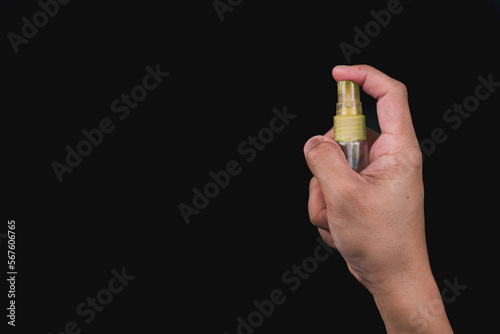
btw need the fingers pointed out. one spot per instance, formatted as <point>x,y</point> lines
<point>392,107</point>
<point>327,163</point>
<point>318,213</point>
<point>327,238</point>
<point>317,205</point>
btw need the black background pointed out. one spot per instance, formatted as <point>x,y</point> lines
<point>119,208</point>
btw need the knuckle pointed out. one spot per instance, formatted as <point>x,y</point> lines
<point>365,67</point>
<point>400,88</point>
<point>314,220</point>
<point>313,182</point>
<point>319,219</point>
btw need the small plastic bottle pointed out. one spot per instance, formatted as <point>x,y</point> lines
<point>350,126</point>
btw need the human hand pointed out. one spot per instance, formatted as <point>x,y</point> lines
<point>375,219</point>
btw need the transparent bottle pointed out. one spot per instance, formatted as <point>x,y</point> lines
<point>349,125</point>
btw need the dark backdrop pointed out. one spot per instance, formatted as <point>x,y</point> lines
<point>117,212</point>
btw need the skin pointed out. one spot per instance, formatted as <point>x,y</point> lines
<point>375,219</point>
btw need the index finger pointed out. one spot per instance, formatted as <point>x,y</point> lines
<point>392,99</point>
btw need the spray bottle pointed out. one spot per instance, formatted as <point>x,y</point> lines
<point>350,126</point>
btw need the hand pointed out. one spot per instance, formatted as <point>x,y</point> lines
<point>375,219</point>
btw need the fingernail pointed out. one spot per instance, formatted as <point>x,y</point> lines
<point>313,142</point>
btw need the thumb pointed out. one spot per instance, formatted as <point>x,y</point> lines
<point>327,162</point>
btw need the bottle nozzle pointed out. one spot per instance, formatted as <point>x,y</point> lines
<point>348,98</point>
<point>349,123</point>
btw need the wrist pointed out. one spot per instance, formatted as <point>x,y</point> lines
<point>413,304</point>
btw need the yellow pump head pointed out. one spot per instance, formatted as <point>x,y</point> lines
<point>349,123</point>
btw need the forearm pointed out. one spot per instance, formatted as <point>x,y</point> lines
<point>413,306</point>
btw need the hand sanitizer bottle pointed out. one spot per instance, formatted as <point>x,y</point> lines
<point>349,125</point>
